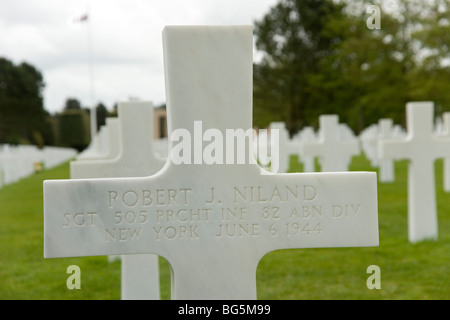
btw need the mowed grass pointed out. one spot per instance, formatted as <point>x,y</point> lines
<point>408,271</point>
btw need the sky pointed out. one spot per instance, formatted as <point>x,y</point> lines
<point>116,55</point>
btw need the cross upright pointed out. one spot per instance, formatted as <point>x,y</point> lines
<point>421,147</point>
<point>307,135</point>
<point>330,148</point>
<point>134,158</point>
<point>111,134</point>
<point>286,147</point>
<point>212,222</point>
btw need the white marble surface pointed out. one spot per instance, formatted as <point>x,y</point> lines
<point>334,150</point>
<point>421,147</point>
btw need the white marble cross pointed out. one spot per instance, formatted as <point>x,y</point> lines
<point>212,216</point>
<point>131,156</point>
<point>334,153</point>
<point>421,147</point>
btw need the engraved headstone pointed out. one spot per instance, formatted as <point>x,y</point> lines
<point>131,157</point>
<point>421,147</point>
<point>334,151</point>
<point>212,216</point>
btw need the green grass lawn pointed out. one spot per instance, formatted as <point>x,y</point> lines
<point>408,271</point>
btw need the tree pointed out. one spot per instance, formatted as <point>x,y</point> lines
<point>365,77</point>
<point>431,79</point>
<point>72,104</point>
<point>22,115</point>
<point>291,39</point>
<point>74,128</point>
<point>321,57</point>
<point>102,113</point>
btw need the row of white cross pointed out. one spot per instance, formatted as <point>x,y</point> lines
<point>17,162</point>
<point>211,222</point>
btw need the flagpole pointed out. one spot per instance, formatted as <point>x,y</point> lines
<point>91,77</point>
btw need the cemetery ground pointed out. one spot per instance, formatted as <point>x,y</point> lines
<point>408,271</point>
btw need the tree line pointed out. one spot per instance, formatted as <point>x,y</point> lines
<point>23,119</point>
<point>21,103</point>
<point>320,56</point>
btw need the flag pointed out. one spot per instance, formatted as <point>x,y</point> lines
<point>81,18</point>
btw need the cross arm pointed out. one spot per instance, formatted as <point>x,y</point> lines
<point>321,210</point>
<point>314,149</point>
<point>395,148</point>
<point>149,215</point>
